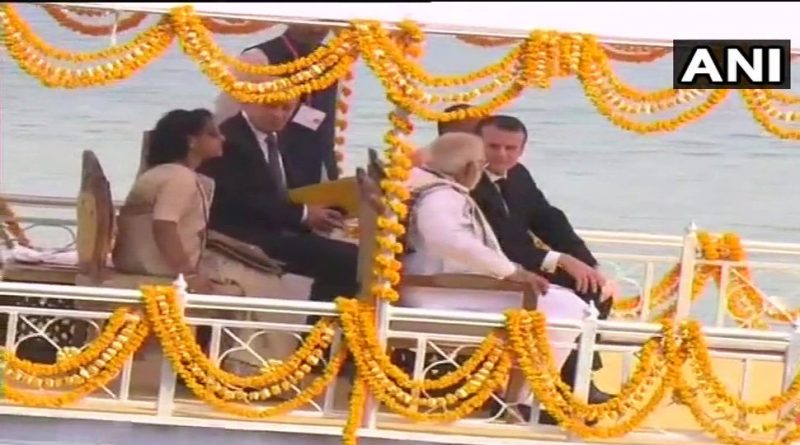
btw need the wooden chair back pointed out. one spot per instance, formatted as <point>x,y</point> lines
<point>369,209</point>
<point>95,215</point>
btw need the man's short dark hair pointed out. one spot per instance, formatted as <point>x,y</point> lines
<point>503,122</point>
<point>441,126</point>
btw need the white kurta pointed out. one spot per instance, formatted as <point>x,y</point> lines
<point>448,234</point>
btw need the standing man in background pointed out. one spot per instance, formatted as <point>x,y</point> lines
<point>307,141</point>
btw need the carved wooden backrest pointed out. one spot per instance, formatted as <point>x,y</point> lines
<point>369,195</point>
<point>95,214</point>
<point>370,207</point>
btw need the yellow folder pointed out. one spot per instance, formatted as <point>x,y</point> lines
<point>341,193</point>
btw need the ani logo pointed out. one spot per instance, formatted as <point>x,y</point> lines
<point>731,64</point>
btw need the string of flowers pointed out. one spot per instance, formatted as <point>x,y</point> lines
<point>385,267</point>
<point>528,333</point>
<point>343,98</point>
<point>128,62</point>
<point>295,367</point>
<point>62,17</point>
<point>221,393</point>
<point>196,43</point>
<point>660,373</point>
<point>744,303</point>
<point>634,53</point>
<point>459,403</point>
<point>534,62</point>
<point>621,53</point>
<point>234,27</point>
<point>759,103</point>
<point>61,14</point>
<point>13,22</point>
<point>84,379</point>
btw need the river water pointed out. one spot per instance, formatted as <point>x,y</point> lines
<point>722,172</point>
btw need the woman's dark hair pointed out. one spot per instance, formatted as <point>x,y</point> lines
<point>169,140</point>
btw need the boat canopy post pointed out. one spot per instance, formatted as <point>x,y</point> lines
<point>688,259</point>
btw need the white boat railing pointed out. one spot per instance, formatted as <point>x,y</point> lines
<point>637,262</point>
<point>437,337</point>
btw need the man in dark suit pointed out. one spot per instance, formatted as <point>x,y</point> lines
<point>251,203</point>
<point>308,147</point>
<point>516,207</point>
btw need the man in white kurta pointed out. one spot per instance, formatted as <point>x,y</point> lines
<point>449,234</point>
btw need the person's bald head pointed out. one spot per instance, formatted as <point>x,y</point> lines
<point>265,117</point>
<point>460,156</point>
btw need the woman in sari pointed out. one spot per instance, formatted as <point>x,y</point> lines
<point>163,224</point>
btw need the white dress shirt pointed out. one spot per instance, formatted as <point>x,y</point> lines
<point>550,261</point>
<point>261,137</point>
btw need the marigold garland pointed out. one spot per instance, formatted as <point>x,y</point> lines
<point>758,102</point>
<point>96,354</point>
<point>622,53</point>
<point>13,22</point>
<point>29,58</point>
<point>196,44</point>
<point>745,304</point>
<point>294,368</point>
<point>529,341</point>
<point>233,27</point>
<point>533,62</point>
<point>343,98</point>
<point>61,15</point>
<point>84,379</point>
<point>459,403</point>
<point>660,373</point>
<point>217,388</point>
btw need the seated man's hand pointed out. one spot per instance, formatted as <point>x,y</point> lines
<point>610,291</point>
<point>324,219</point>
<point>587,279</point>
<point>538,283</point>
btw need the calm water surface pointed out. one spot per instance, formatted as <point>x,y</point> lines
<point>722,172</point>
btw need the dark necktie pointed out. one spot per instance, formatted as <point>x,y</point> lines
<point>502,185</point>
<point>275,160</point>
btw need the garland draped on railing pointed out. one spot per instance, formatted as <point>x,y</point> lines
<point>534,62</point>
<point>744,302</point>
<point>674,364</point>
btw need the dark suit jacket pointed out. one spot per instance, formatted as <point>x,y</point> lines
<point>248,203</point>
<point>307,150</point>
<point>529,210</point>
